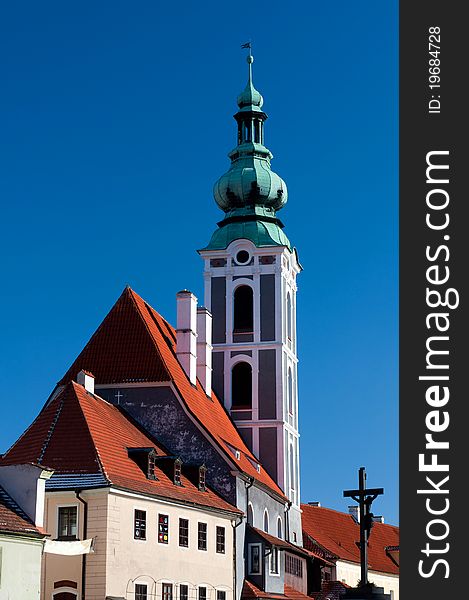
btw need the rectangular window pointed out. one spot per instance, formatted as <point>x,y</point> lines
<point>167,591</point>
<point>163,529</point>
<point>184,533</point>
<point>293,565</point>
<point>202,593</point>
<point>221,595</point>
<point>221,540</point>
<point>141,591</point>
<point>67,525</point>
<point>202,536</point>
<point>274,561</point>
<point>183,592</point>
<point>254,559</point>
<point>140,525</point>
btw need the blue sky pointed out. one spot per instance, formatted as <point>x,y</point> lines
<point>116,122</point>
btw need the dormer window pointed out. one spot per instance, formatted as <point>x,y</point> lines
<point>145,458</point>
<point>202,473</point>
<point>177,471</point>
<point>151,466</point>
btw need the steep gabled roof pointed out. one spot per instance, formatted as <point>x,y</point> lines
<point>79,434</point>
<point>13,519</point>
<point>134,343</point>
<point>338,532</point>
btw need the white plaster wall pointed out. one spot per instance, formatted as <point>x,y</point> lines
<point>350,574</point>
<point>20,568</point>
<point>58,568</point>
<point>131,561</point>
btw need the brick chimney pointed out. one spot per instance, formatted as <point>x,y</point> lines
<point>204,348</point>
<point>186,332</point>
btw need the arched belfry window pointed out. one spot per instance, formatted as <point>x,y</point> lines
<point>289,317</point>
<point>243,318</point>
<point>290,391</point>
<point>241,385</point>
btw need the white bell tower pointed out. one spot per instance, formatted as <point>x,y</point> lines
<point>251,293</point>
<point>250,270</point>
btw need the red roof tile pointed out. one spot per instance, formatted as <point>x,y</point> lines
<point>13,519</point>
<point>293,594</point>
<point>338,532</point>
<point>252,592</point>
<point>135,343</point>
<point>275,541</point>
<point>79,432</point>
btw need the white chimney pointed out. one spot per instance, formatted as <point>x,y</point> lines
<point>204,348</point>
<point>186,331</point>
<point>86,379</point>
<point>355,512</point>
<point>26,484</point>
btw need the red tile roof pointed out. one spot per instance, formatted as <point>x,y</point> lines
<point>79,432</point>
<point>331,590</point>
<point>13,519</point>
<point>293,594</point>
<point>135,343</point>
<point>252,592</point>
<point>338,532</point>
<point>275,541</point>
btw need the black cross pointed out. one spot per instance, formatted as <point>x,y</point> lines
<point>364,498</point>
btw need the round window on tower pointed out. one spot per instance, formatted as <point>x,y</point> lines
<point>242,257</point>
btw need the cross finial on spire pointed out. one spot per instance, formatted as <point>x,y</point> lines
<point>249,58</point>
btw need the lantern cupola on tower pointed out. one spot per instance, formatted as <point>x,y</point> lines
<point>250,193</point>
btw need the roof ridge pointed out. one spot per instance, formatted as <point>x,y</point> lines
<point>52,427</point>
<point>96,449</point>
<point>16,442</point>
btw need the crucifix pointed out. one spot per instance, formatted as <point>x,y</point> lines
<point>118,396</point>
<point>364,498</point>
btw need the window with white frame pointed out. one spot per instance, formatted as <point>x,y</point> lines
<point>254,559</point>
<point>141,591</point>
<point>184,533</point>
<point>183,592</point>
<point>202,593</point>
<point>221,595</point>
<point>202,536</point>
<point>163,529</point>
<point>67,523</point>
<point>140,524</point>
<point>220,546</point>
<point>167,591</point>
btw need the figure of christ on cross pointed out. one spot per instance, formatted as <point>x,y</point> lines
<point>365,499</point>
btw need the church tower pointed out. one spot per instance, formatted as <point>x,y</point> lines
<point>250,288</point>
